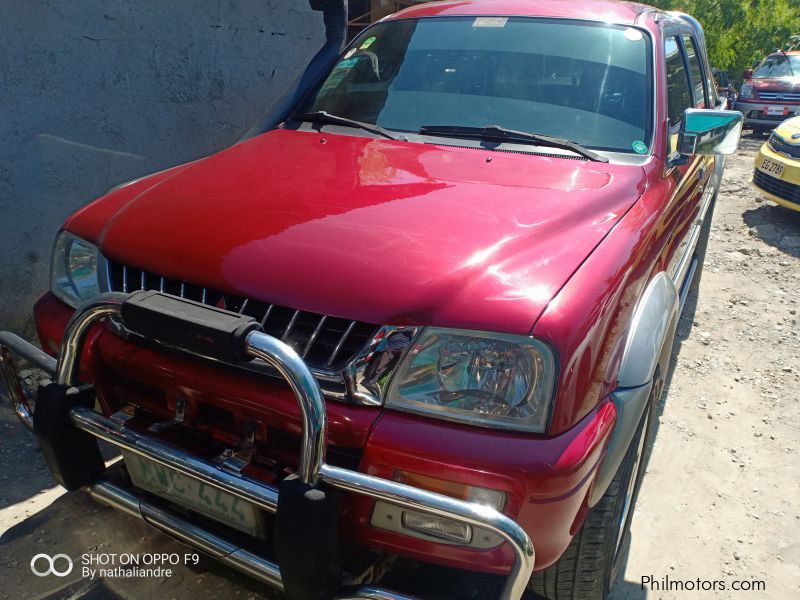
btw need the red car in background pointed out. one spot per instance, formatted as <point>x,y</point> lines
<point>425,310</point>
<point>770,93</point>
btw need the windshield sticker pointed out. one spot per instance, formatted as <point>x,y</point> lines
<point>338,73</point>
<point>632,34</point>
<point>350,52</point>
<point>367,43</point>
<point>490,22</point>
<point>639,147</point>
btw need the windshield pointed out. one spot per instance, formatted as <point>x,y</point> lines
<point>779,65</point>
<point>586,82</point>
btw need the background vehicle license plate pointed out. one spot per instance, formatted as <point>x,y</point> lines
<point>775,110</point>
<point>772,167</point>
<point>195,495</point>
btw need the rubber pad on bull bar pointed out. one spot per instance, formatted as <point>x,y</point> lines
<point>306,540</point>
<point>72,455</point>
<point>189,325</point>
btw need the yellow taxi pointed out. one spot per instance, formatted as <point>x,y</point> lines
<point>777,172</point>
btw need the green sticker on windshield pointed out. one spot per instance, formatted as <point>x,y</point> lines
<point>367,43</point>
<point>639,147</point>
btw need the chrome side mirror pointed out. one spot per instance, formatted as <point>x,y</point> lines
<point>710,132</point>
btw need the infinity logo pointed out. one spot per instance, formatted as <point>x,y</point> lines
<point>51,562</point>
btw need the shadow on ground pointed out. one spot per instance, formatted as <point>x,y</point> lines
<point>76,526</point>
<point>776,226</point>
<point>23,473</point>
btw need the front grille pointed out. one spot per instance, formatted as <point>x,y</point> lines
<point>778,144</point>
<point>326,343</point>
<point>788,96</point>
<point>781,189</point>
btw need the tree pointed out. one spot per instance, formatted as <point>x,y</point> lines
<point>739,32</point>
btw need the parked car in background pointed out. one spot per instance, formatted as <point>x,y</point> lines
<point>427,311</point>
<point>777,165</point>
<point>726,87</point>
<point>770,93</point>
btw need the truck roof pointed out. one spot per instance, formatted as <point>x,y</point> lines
<point>595,10</point>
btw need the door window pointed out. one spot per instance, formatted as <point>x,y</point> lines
<point>679,94</point>
<point>696,72</point>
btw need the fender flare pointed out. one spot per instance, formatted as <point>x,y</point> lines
<point>647,346</point>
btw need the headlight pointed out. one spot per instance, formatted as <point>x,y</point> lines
<point>746,91</point>
<point>74,268</point>
<point>491,379</point>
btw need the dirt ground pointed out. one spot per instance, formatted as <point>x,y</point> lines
<point>720,503</point>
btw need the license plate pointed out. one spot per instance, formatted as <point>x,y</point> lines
<point>773,168</point>
<point>195,495</point>
<point>775,110</point>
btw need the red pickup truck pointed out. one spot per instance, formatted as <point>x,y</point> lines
<point>425,309</point>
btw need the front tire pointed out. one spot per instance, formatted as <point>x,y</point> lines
<point>592,562</point>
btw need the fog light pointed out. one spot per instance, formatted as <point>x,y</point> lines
<point>445,529</point>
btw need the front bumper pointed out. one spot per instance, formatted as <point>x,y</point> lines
<point>313,471</point>
<point>547,480</point>
<point>783,189</point>
<point>754,115</point>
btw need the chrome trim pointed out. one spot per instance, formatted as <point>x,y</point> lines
<point>341,342</point>
<point>124,279</point>
<point>267,314</point>
<point>687,284</point>
<point>142,280</point>
<point>365,375</point>
<point>309,398</point>
<point>9,343</point>
<point>117,434</point>
<point>16,395</point>
<point>289,326</point>
<point>370,593</point>
<point>161,284</point>
<point>39,358</point>
<point>83,318</point>
<point>314,335</point>
<point>779,96</point>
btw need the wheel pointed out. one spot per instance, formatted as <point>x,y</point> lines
<point>592,562</point>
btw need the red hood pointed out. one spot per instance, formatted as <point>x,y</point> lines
<point>376,230</point>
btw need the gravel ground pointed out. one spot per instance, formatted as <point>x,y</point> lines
<point>719,505</point>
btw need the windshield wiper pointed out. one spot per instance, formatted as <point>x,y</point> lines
<point>495,133</point>
<point>322,116</point>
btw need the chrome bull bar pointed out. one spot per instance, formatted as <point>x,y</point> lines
<point>312,466</point>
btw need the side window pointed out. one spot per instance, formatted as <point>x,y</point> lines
<point>679,95</point>
<point>697,73</point>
